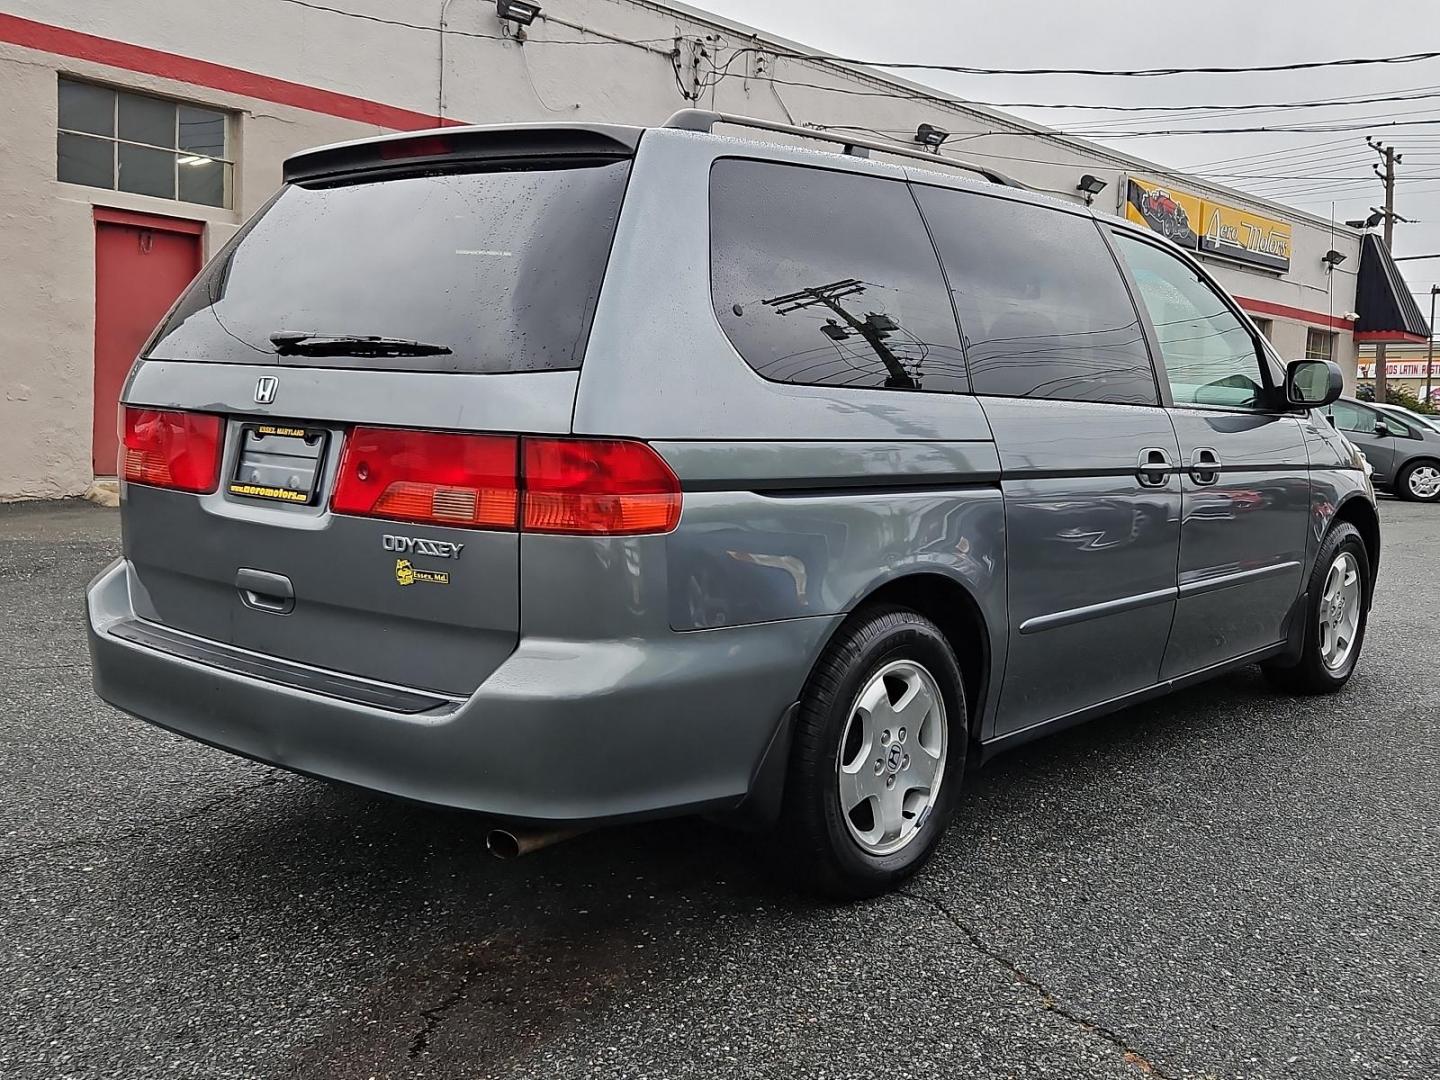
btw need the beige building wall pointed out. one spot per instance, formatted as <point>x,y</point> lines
<point>571,68</point>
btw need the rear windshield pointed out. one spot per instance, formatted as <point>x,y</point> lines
<point>502,269</point>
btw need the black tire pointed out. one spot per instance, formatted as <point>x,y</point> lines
<point>814,842</point>
<point>1402,482</point>
<point>1310,675</point>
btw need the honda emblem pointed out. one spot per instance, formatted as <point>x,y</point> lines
<point>265,389</point>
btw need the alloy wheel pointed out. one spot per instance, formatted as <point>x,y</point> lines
<point>892,757</point>
<point>1340,611</point>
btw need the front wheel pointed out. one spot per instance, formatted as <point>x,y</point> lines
<point>1335,617</point>
<point>877,756</point>
<point>1420,482</point>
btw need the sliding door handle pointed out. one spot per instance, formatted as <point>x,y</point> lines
<point>1154,467</point>
<point>1204,466</point>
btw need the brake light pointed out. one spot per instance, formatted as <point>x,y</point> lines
<point>169,449</point>
<point>428,476</point>
<point>423,146</point>
<point>598,487</point>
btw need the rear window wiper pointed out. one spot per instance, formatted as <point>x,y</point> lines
<point>297,343</point>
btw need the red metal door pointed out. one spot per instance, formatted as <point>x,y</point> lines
<point>142,262</point>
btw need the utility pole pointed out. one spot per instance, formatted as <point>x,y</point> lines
<point>1430,352</point>
<point>1387,174</point>
<point>874,328</point>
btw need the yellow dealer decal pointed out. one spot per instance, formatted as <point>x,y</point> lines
<point>261,491</point>
<point>408,574</point>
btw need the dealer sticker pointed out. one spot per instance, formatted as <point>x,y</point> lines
<point>408,574</point>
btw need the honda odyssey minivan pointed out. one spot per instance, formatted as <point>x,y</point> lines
<point>579,474</point>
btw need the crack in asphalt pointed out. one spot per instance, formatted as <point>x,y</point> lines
<point>1129,1054</point>
<point>99,839</point>
<point>436,1013</point>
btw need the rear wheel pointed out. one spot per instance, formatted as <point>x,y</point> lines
<point>1339,603</point>
<point>1419,481</point>
<point>877,757</point>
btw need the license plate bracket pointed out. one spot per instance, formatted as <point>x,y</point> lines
<point>279,463</point>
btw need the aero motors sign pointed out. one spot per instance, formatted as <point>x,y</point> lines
<point>1206,225</point>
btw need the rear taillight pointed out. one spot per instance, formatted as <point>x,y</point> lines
<point>428,476</point>
<point>598,486</point>
<point>179,450</point>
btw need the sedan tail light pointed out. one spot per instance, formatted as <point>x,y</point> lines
<point>170,449</point>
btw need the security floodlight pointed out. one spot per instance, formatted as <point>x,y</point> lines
<point>1333,258</point>
<point>1370,222</point>
<point>929,135</point>
<point>1091,185</point>
<point>522,12</point>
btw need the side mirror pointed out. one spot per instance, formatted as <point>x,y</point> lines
<point>1381,428</point>
<point>1313,384</point>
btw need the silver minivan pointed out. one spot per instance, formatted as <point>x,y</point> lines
<point>579,474</point>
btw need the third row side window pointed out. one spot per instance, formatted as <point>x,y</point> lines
<point>827,277</point>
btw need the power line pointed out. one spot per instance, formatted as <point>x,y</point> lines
<point>1223,109</point>
<point>1313,149</point>
<point>1278,106</point>
<point>1307,65</point>
<point>1267,129</point>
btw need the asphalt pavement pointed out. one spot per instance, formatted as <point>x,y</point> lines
<point>1224,884</point>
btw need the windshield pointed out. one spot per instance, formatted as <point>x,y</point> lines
<point>488,271</point>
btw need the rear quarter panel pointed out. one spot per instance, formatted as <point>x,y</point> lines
<point>800,501</point>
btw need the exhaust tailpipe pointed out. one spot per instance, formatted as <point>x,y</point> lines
<point>513,842</point>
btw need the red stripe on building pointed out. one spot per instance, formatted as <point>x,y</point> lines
<point>29,34</point>
<point>1285,311</point>
<point>1390,335</point>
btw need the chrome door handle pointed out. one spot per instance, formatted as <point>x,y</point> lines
<point>1154,467</point>
<point>1204,466</point>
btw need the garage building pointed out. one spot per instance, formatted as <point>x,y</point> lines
<point>140,134</point>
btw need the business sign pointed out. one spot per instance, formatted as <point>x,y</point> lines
<point>1396,369</point>
<point>1206,225</point>
<point>1173,214</point>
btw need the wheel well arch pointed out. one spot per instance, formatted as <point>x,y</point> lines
<point>1360,513</point>
<point>949,605</point>
<point>1418,459</point>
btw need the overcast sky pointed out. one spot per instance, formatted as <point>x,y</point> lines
<point>1109,34</point>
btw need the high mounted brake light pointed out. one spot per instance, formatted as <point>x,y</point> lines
<point>170,449</point>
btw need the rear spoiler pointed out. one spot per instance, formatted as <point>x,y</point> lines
<point>445,147</point>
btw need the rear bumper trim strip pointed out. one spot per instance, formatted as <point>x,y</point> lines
<point>273,669</point>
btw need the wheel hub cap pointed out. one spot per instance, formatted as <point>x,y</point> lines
<point>1340,601</point>
<point>892,757</point>
<point>1425,481</point>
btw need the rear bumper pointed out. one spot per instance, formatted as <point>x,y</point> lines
<point>562,731</point>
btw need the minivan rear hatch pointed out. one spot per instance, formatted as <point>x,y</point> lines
<point>396,289</point>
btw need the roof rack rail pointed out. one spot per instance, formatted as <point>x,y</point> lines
<point>705,120</point>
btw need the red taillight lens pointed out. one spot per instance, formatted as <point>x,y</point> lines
<point>598,486</point>
<point>179,450</point>
<point>427,476</point>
